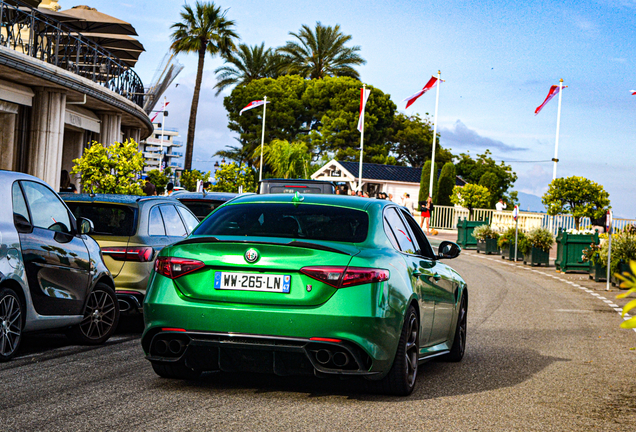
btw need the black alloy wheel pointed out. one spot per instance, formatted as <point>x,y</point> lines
<point>10,323</point>
<point>101,316</point>
<point>459,344</point>
<point>401,378</point>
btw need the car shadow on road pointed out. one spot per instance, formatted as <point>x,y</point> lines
<point>493,368</point>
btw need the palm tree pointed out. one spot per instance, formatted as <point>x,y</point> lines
<point>202,29</point>
<point>285,159</point>
<point>246,65</point>
<point>321,53</point>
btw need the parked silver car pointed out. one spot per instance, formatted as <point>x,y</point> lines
<point>51,272</point>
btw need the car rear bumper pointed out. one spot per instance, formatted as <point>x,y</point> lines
<point>359,317</point>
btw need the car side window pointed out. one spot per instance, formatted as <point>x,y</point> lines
<point>19,204</point>
<point>174,224</point>
<point>190,221</point>
<point>425,248</point>
<point>47,210</point>
<point>155,223</point>
<point>390,235</point>
<point>400,231</point>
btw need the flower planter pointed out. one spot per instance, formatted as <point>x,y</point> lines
<point>509,252</point>
<point>488,246</point>
<point>598,272</point>
<point>536,256</point>
<point>569,250</point>
<point>623,267</point>
<point>465,237</point>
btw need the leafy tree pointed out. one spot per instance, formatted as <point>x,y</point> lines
<point>445,185</point>
<point>470,196</point>
<point>202,29</point>
<point>334,106</point>
<point>286,115</point>
<point>230,177</point>
<point>285,159</point>
<point>490,181</point>
<point>425,183</point>
<point>247,65</point>
<point>160,179</point>
<point>320,53</point>
<point>115,169</point>
<point>190,178</point>
<point>412,140</point>
<point>576,196</point>
<point>473,169</point>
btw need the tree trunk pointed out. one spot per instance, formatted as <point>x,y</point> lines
<point>193,111</point>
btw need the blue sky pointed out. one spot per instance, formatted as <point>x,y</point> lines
<point>499,59</point>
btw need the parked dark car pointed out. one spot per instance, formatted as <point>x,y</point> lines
<point>52,275</point>
<point>306,186</point>
<point>131,230</point>
<point>202,203</point>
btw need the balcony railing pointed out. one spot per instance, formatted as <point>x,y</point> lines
<point>37,35</point>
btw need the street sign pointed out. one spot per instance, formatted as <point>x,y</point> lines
<point>515,212</point>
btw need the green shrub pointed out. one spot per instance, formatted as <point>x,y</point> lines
<point>539,238</point>
<point>623,249</point>
<point>507,239</point>
<point>483,232</point>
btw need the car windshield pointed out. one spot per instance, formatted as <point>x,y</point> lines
<point>201,208</point>
<point>306,221</point>
<point>108,219</point>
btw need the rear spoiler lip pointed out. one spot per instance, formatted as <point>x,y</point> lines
<point>293,243</point>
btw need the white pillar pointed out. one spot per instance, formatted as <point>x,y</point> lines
<point>47,135</point>
<point>110,128</point>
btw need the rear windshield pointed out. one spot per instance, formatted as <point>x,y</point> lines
<point>108,219</point>
<point>295,188</point>
<point>202,208</point>
<point>309,222</point>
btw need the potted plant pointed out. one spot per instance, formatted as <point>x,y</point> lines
<point>536,247</point>
<point>486,239</point>
<point>592,255</point>
<point>469,196</point>
<point>623,251</point>
<point>506,243</point>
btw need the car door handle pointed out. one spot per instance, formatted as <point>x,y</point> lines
<point>436,276</point>
<point>417,273</point>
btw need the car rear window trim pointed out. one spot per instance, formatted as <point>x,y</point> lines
<point>293,243</point>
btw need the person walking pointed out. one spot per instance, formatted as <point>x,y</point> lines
<point>427,210</point>
<point>501,205</point>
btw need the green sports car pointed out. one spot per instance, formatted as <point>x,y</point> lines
<point>305,284</point>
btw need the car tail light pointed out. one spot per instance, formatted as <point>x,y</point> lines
<point>131,253</point>
<point>173,268</point>
<point>339,277</point>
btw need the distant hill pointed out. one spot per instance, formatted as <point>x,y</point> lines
<point>529,202</point>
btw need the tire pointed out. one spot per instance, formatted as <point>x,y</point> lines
<point>11,316</point>
<point>400,380</point>
<point>101,315</point>
<point>459,343</point>
<point>175,371</point>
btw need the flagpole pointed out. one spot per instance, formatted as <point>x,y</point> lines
<point>364,86</point>
<point>260,171</point>
<point>556,145</point>
<point>163,125</point>
<point>430,188</point>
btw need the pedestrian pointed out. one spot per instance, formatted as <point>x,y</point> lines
<point>406,202</point>
<point>427,210</point>
<point>65,183</point>
<point>149,188</point>
<point>169,189</point>
<point>501,205</point>
<point>390,197</point>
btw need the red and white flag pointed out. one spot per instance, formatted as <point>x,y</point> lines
<point>429,85</point>
<point>554,90</point>
<point>253,104</point>
<point>158,112</point>
<point>633,92</point>
<point>364,96</point>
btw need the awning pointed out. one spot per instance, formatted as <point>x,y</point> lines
<point>98,22</point>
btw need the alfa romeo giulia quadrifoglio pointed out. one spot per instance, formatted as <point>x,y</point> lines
<point>305,284</point>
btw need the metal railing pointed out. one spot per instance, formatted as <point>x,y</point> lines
<point>29,31</point>
<point>446,217</point>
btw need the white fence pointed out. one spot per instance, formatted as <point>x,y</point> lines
<point>446,217</point>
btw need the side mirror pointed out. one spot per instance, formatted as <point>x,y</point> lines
<point>448,250</point>
<point>22,225</point>
<point>85,226</point>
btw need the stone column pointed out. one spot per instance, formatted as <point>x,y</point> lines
<point>132,133</point>
<point>110,128</point>
<point>47,135</point>
<point>8,114</point>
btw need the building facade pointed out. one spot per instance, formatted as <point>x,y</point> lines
<point>162,147</point>
<point>59,92</point>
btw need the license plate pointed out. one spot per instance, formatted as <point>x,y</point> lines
<point>252,282</point>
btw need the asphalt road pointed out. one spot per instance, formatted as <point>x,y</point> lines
<point>542,355</point>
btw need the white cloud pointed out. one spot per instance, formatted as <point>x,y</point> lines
<point>460,138</point>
